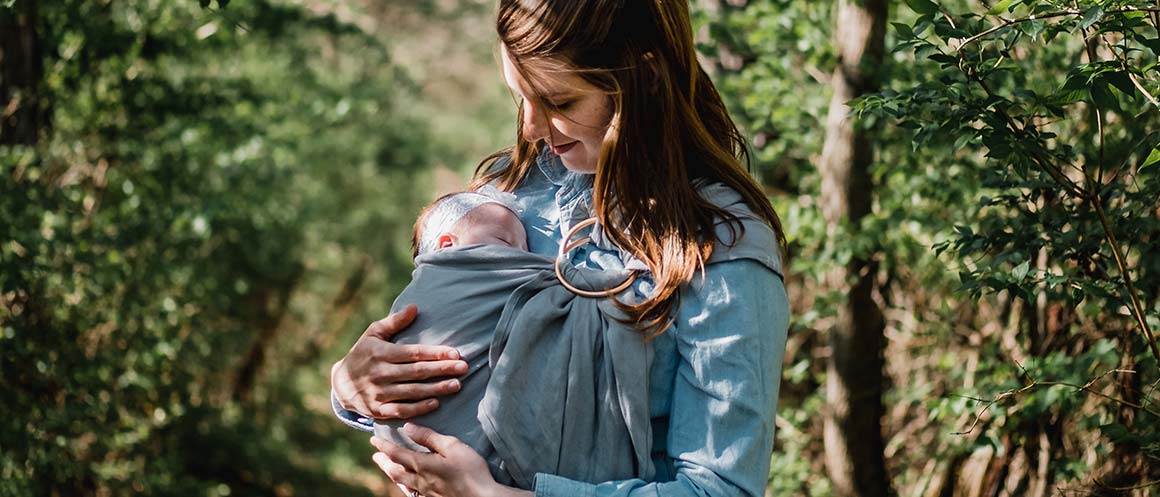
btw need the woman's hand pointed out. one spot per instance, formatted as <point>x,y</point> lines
<point>452,469</point>
<point>380,379</point>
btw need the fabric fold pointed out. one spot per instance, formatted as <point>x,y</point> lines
<point>555,384</point>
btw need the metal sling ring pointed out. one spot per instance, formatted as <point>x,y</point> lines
<point>567,246</point>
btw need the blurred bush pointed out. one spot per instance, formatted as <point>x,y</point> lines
<point>1016,193</point>
<point>212,202</point>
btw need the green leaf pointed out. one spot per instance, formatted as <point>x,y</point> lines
<point>1101,93</point>
<point>944,59</point>
<point>1121,81</point>
<point>1152,160</point>
<point>1153,44</point>
<point>923,23</point>
<point>1000,7</point>
<point>1115,431</point>
<point>922,51</point>
<point>903,29</point>
<point>1075,81</point>
<point>962,141</point>
<point>922,6</point>
<point>1034,28</point>
<point>1021,270</point>
<point>1091,16</point>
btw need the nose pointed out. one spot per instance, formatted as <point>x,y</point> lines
<point>535,124</point>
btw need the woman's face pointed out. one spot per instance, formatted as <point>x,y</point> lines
<point>577,130</point>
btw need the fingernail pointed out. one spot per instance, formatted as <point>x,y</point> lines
<point>461,367</point>
<point>453,354</point>
<point>453,384</point>
<point>432,403</point>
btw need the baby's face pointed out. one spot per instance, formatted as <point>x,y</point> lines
<point>490,223</point>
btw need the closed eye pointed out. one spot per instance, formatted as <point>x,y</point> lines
<point>562,105</point>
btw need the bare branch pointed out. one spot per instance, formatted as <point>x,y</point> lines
<point>1036,384</point>
<point>1137,307</point>
<point>1047,15</point>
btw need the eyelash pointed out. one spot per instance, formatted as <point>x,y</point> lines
<point>559,106</point>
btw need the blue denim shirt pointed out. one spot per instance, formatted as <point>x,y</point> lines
<point>716,372</point>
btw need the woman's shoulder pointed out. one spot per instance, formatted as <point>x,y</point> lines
<point>745,237</point>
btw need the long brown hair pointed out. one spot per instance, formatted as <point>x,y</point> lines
<point>669,127</point>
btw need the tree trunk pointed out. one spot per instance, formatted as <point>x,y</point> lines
<point>23,113</point>
<point>854,380</point>
<point>270,307</point>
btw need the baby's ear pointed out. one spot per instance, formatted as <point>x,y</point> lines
<point>445,240</point>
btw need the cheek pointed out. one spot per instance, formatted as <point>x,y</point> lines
<point>588,122</point>
<point>602,116</point>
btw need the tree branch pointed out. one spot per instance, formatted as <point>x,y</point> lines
<point>1048,15</point>
<point>1137,308</point>
<point>1035,384</point>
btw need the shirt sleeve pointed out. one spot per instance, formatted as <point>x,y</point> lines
<point>351,418</point>
<point>730,331</point>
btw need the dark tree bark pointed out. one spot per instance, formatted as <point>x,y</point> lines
<point>854,380</point>
<point>23,113</point>
<point>269,308</point>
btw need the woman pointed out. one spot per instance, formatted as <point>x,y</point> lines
<point>619,121</point>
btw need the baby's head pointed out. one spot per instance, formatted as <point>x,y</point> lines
<point>465,218</point>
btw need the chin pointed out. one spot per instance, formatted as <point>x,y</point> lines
<point>578,168</point>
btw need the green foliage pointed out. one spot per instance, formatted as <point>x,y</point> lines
<point>215,194</point>
<point>1049,128</point>
<point>1019,153</point>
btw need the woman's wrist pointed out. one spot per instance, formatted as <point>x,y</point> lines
<point>506,491</point>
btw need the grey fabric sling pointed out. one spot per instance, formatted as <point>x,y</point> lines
<point>555,383</point>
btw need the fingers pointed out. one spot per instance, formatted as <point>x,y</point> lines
<point>394,471</point>
<point>418,391</point>
<point>405,410</point>
<point>431,439</point>
<point>417,371</point>
<point>387,327</point>
<point>403,353</point>
<point>407,459</point>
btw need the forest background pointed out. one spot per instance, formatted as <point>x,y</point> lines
<point>203,203</point>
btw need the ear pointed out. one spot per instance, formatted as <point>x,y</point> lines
<point>445,240</point>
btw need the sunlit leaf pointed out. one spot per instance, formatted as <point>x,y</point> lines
<point>1001,6</point>
<point>922,6</point>
<point>1091,16</point>
<point>1151,161</point>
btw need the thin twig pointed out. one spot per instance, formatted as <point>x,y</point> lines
<point>1124,64</point>
<point>1133,487</point>
<point>1087,489</point>
<point>1148,398</point>
<point>1137,308</point>
<point>1099,165</point>
<point>1035,384</point>
<point>1049,15</point>
<point>1140,87</point>
<point>222,13</point>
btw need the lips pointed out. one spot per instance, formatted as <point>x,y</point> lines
<point>563,149</point>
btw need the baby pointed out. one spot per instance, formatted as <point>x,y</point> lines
<point>501,307</point>
<point>468,218</point>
